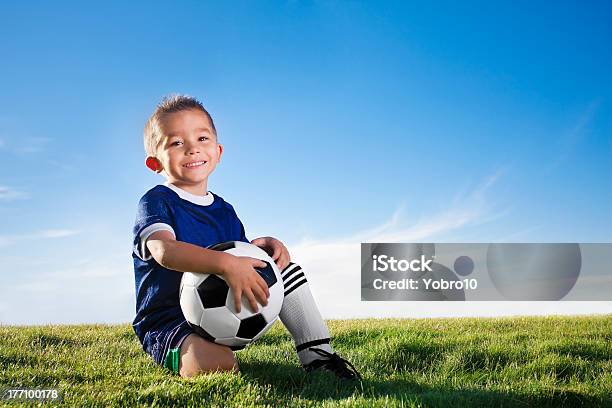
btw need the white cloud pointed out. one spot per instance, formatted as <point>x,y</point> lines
<point>10,194</point>
<point>55,233</point>
<point>32,145</point>
<point>6,240</point>
<point>466,209</point>
<point>62,166</point>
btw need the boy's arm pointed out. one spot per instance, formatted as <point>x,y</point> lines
<point>239,272</point>
<point>184,257</point>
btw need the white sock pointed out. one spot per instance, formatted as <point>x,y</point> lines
<point>301,316</point>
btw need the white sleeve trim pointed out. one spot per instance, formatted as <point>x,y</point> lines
<point>146,233</point>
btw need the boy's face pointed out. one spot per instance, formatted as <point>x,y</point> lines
<point>188,153</point>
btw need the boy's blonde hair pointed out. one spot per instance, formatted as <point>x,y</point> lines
<point>170,104</point>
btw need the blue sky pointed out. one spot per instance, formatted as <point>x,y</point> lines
<point>341,122</point>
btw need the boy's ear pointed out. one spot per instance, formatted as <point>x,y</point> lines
<point>153,164</point>
<point>220,151</point>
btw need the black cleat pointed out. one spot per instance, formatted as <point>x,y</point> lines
<point>334,363</point>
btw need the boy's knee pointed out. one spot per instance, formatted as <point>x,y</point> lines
<point>292,269</point>
<point>224,360</point>
<point>229,366</point>
<point>199,356</point>
<point>293,277</point>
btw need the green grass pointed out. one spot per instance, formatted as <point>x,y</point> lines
<point>551,361</point>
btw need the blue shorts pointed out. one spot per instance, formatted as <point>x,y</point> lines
<point>164,343</point>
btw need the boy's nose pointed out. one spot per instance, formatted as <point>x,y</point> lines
<point>193,150</point>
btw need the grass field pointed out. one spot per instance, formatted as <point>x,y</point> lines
<point>552,361</point>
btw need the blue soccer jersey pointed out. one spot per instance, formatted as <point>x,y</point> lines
<point>199,220</point>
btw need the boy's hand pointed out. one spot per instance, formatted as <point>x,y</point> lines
<point>243,279</point>
<point>275,249</point>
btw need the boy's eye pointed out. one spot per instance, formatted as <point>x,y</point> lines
<point>203,138</point>
<point>176,143</point>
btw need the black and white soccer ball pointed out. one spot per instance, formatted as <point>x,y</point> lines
<point>208,304</point>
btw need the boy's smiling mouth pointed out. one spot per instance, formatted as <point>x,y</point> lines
<point>194,164</point>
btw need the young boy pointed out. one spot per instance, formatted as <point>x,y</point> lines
<point>175,223</point>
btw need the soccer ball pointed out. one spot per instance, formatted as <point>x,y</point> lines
<point>208,303</point>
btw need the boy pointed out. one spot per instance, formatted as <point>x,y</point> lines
<point>174,225</point>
